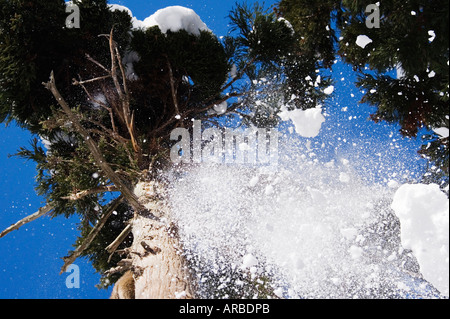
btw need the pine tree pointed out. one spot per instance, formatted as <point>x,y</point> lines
<point>114,96</point>
<point>412,37</point>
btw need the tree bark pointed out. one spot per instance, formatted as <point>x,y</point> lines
<point>159,267</point>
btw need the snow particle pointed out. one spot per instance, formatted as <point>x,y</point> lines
<point>278,292</point>
<point>423,211</point>
<point>254,181</point>
<point>307,122</point>
<point>249,261</point>
<point>363,40</point>
<point>329,90</point>
<point>355,252</point>
<point>344,178</point>
<point>432,36</point>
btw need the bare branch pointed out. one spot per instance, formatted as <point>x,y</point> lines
<point>42,211</point>
<point>116,243</point>
<point>93,147</point>
<point>173,89</point>
<point>112,45</point>
<point>190,112</point>
<point>100,78</point>
<point>123,96</point>
<point>97,63</point>
<point>226,98</point>
<point>92,191</point>
<point>122,70</point>
<point>118,138</point>
<point>118,269</point>
<point>109,75</point>
<point>94,232</point>
<point>106,107</point>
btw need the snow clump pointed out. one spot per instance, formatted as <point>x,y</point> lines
<point>173,18</point>
<point>423,211</point>
<point>363,40</point>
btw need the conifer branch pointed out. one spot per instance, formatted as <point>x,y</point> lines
<point>94,232</point>
<point>103,105</point>
<point>209,102</point>
<point>240,74</point>
<point>226,98</point>
<point>116,136</point>
<point>41,212</point>
<point>93,147</point>
<point>122,70</point>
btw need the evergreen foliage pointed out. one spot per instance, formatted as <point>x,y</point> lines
<point>412,38</point>
<point>127,118</point>
<point>195,65</point>
<point>279,72</point>
<point>34,41</point>
<point>179,77</point>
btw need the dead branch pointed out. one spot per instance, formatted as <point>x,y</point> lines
<point>94,232</point>
<point>116,136</point>
<point>97,63</point>
<point>41,212</point>
<point>190,112</point>
<point>114,67</point>
<point>122,70</point>
<point>118,269</point>
<point>100,78</point>
<point>103,105</point>
<point>116,243</point>
<point>97,190</point>
<point>123,96</point>
<point>93,147</point>
<point>172,88</point>
<point>121,252</point>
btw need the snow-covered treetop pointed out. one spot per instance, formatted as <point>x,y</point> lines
<point>173,18</point>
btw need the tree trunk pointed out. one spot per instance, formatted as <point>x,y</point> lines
<point>159,268</point>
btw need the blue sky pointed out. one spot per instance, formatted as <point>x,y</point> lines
<point>31,257</point>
